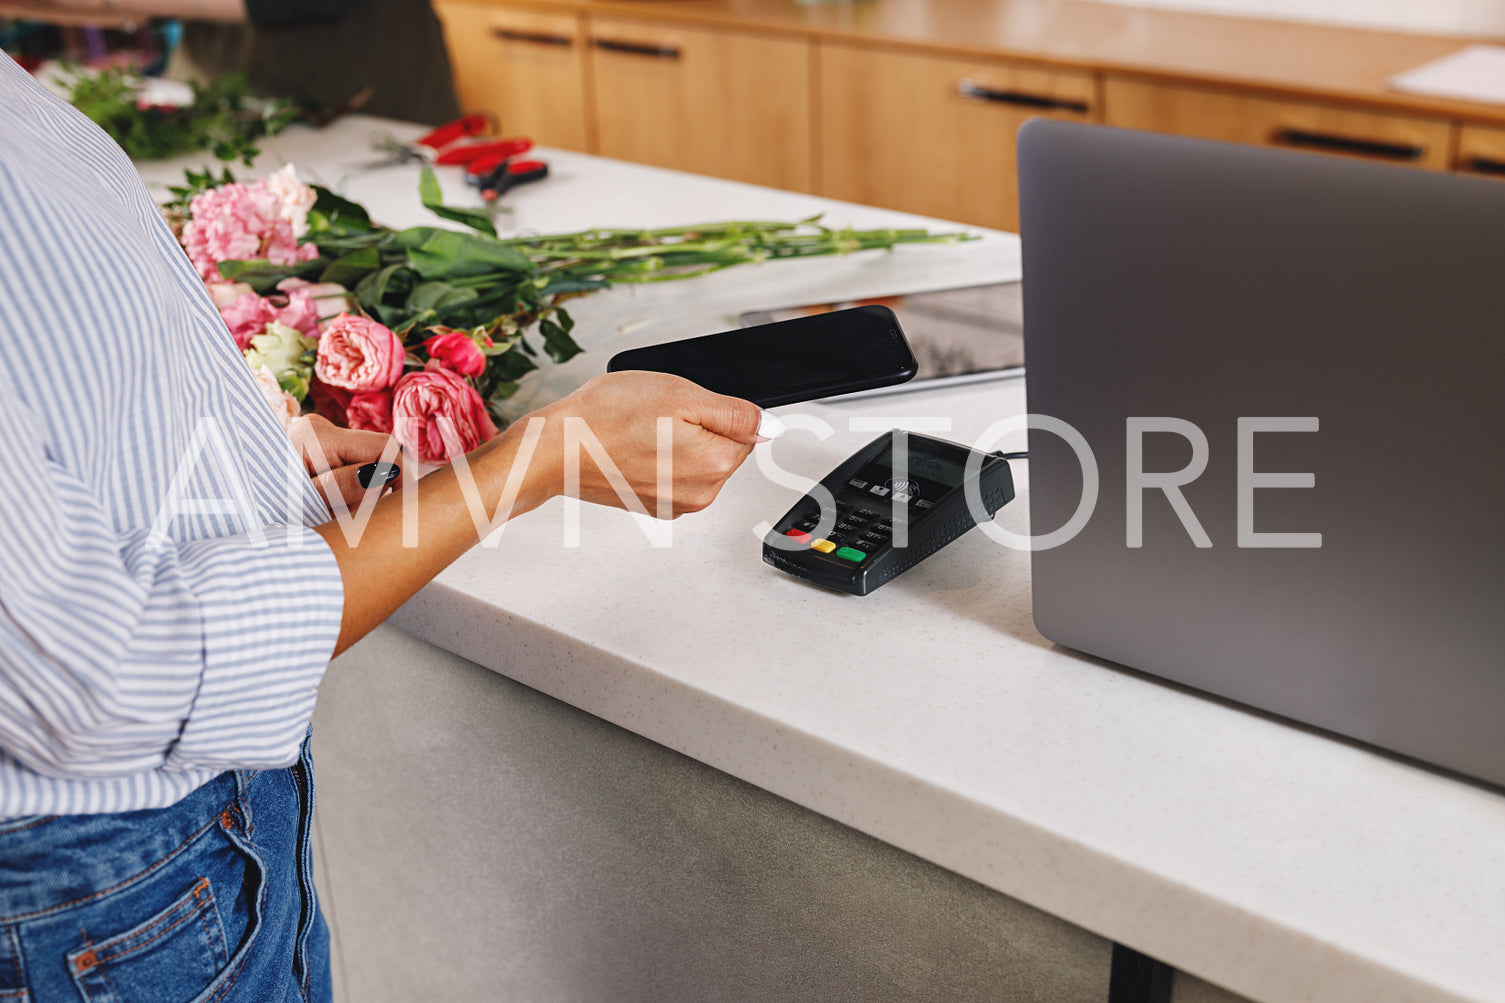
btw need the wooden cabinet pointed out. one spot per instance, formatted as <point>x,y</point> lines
<point>790,98</point>
<point>524,66</point>
<point>1415,140</point>
<point>1481,150</point>
<point>729,104</point>
<point>934,135</point>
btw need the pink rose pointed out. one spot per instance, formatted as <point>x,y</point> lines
<point>358,354</point>
<point>457,350</point>
<point>435,404</point>
<point>370,411</point>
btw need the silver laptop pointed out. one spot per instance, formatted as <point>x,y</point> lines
<point>1290,373</point>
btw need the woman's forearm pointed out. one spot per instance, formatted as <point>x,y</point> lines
<point>646,424</point>
<point>415,532</point>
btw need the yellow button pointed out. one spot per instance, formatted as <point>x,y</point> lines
<point>824,546</point>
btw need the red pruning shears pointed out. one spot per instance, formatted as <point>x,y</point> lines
<point>509,175</point>
<point>449,144</point>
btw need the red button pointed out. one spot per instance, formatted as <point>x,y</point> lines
<point>797,536</point>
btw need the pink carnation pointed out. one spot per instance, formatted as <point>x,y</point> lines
<point>225,293</point>
<point>357,353</point>
<point>301,313</point>
<point>435,404</point>
<point>457,350</point>
<point>249,315</point>
<point>239,222</point>
<point>328,299</point>
<point>370,411</point>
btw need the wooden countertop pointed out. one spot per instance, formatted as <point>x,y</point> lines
<point>1280,58</point>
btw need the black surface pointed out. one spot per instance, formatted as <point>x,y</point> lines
<point>1138,978</point>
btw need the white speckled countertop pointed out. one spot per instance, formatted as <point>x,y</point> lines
<point>1281,864</point>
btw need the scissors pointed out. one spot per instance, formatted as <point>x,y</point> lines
<point>509,175</point>
<point>448,145</point>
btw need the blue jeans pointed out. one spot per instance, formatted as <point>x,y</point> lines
<point>211,899</point>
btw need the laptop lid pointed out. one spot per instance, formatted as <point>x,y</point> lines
<point>1290,372</point>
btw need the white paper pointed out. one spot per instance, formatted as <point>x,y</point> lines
<point>1476,73</point>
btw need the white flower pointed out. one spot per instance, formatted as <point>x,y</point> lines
<point>294,198</point>
<point>282,349</point>
<point>282,403</point>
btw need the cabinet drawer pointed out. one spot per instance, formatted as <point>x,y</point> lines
<point>523,66</point>
<point>1481,150</point>
<point>1412,140</point>
<point>934,135</point>
<point>732,105</point>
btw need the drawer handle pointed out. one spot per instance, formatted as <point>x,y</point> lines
<point>637,48</point>
<point>979,92</point>
<point>1485,165</point>
<point>533,37</point>
<point>1303,140</point>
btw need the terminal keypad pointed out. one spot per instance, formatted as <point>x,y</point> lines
<point>858,530</point>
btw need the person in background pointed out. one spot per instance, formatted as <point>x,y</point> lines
<point>379,57</point>
<point>172,586</point>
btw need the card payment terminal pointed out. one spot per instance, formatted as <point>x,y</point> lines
<point>891,504</point>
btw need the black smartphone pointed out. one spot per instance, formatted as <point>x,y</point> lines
<point>788,361</point>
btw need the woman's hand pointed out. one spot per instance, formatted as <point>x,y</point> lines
<point>709,437</point>
<point>334,456</point>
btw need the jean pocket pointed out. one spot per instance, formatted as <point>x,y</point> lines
<point>195,948</point>
<point>172,955</point>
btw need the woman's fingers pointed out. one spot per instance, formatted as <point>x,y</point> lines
<point>351,483</point>
<point>325,445</point>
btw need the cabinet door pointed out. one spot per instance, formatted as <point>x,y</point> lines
<point>1414,140</point>
<point>1481,150</point>
<point>523,66</point>
<point>932,134</point>
<point>732,105</point>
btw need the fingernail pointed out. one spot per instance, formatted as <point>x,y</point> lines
<point>770,425</point>
<point>377,473</point>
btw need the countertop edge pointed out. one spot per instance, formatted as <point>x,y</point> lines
<point>1147,911</point>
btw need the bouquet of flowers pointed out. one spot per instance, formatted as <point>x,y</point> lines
<point>396,330</point>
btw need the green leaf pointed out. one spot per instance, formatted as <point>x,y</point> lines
<point>338,211</point>
<point>510,366</point>
<point>433,200</point>
<point>556,287</point>
<point>445,254</point>
<point>392,316</point>
<point>263,276</point>
<point>373,288</point>
<point>438,296</point>
<point>349,269</point>
<point>557,342</point>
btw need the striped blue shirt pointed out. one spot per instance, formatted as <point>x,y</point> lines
<point>166,613</point>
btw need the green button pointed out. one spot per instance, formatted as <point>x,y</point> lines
<point>852,554</point>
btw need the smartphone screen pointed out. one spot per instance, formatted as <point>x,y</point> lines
<point>803,359</point>
<point>963,335</point>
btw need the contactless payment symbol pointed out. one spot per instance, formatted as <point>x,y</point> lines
<point>903,490</point>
